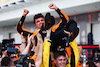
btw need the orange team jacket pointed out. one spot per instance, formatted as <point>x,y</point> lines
<point>20,25</point>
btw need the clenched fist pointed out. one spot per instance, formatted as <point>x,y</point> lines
<point>53,6</point>
<point>25,12</point>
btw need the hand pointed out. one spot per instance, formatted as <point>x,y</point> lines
<point>29,39</point>
<point>4,53</point>
<point>80,50</point>
<point>22,37</point>
<point>39,38</point>
<point>33,43</point>
<point>32,39</point>
<point>67,32</point>
<point>25,12</point>
<point>53,6</point>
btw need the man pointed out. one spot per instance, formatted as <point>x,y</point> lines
<point>60,59</point>
<point>6,61</point>
<point>39,20</point>
<point>90,64</point>
<point>97,62</point>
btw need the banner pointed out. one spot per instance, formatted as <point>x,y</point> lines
<point>5,2</point>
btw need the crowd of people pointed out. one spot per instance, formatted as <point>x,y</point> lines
<point>43,47</point>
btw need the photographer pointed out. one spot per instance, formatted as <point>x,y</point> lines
<point>8,49</point>
<point>7,61</point>
<point>4,54</point>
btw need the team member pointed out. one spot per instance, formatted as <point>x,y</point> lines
<point>39,20</point>
<point>60,59</point>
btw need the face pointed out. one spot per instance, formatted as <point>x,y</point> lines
<point>39,22</point>
<point>61,61</point>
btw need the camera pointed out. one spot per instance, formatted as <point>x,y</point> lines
<point>8,45</point>
<point>25,60</point>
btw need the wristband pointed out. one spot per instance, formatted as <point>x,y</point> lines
<point>23,42</point>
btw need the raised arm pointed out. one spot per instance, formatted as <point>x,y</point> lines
<point>20,25</point>
<point>40,50</point>
<point>62,15</point>
<point>27,49</point>
<point>23,44</point>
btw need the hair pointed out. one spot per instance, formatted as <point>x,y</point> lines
<point>59,53</point>
<point>37,16</point>
<point>91,64</point>
<point>6,61</point>
<point>97,61</point>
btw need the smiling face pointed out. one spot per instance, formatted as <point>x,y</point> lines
<point>39,22</point>
<point>60,61</point>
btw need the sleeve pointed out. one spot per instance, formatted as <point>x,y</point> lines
<point>17,56</point>
<point>20,27</point>
<point>64,19</point>
<point>62,15</point>
<point>34,57</point>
